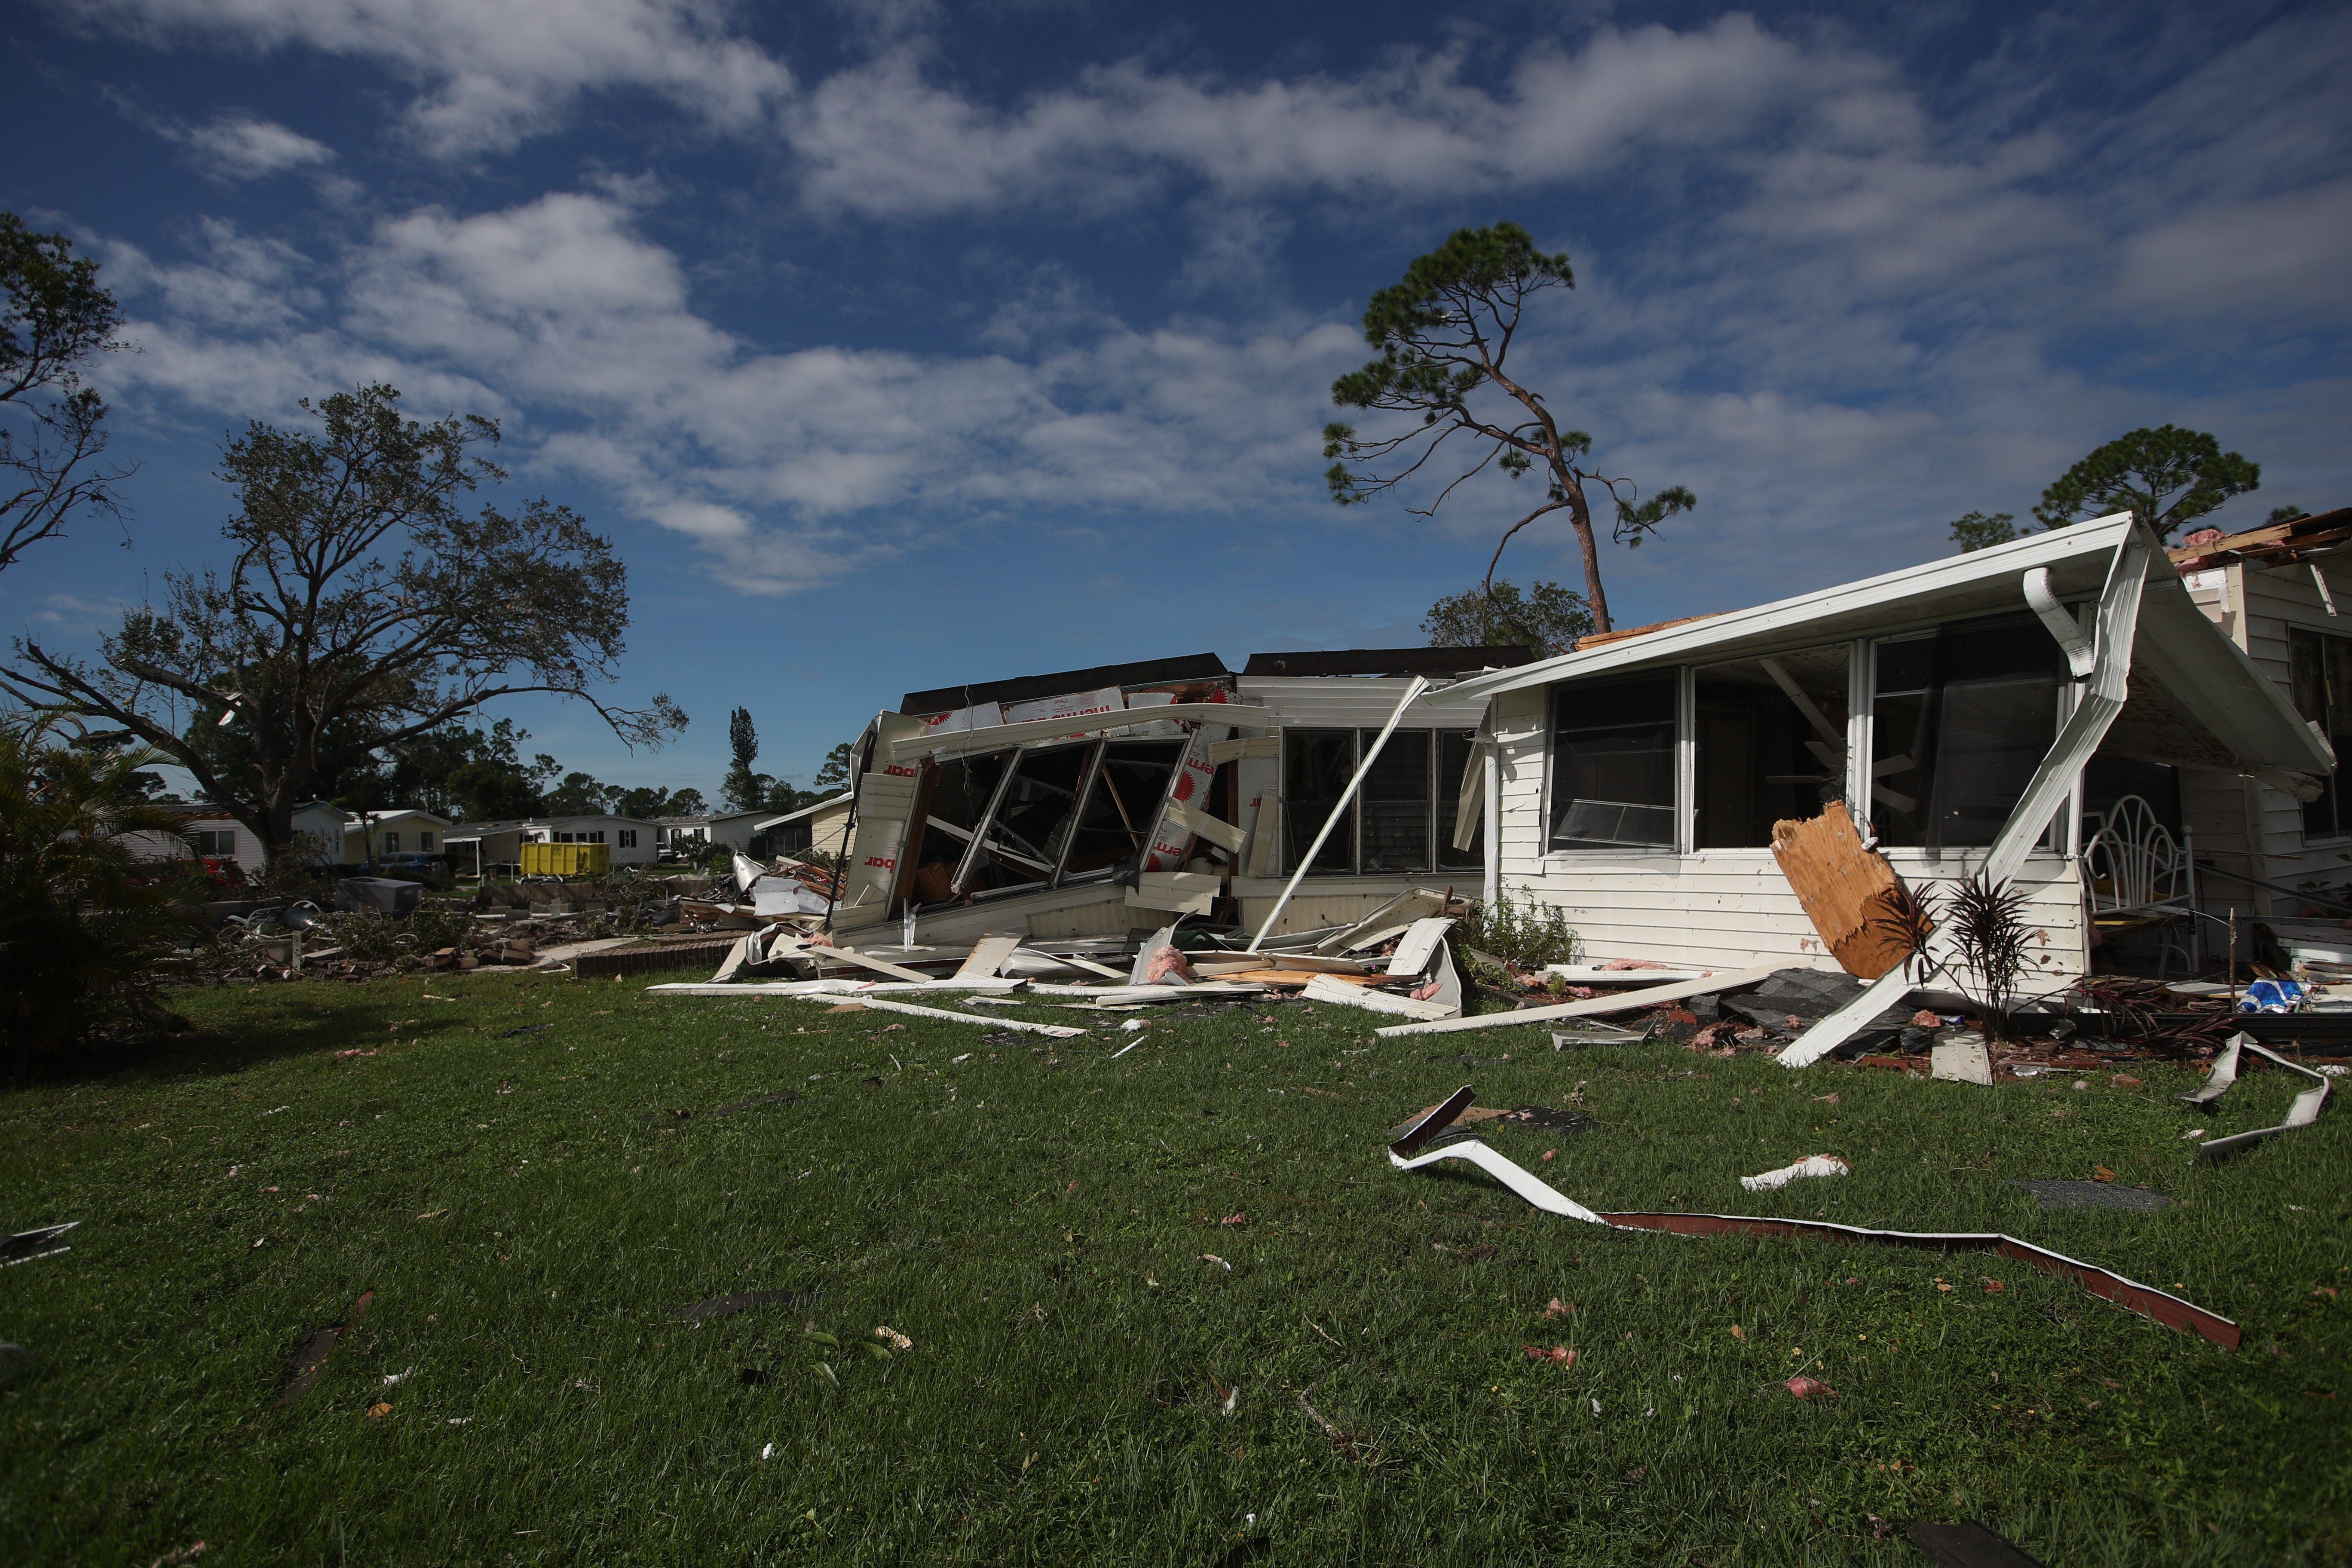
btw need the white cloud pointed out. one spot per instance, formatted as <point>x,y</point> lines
<point>494,72</point>
<point>784,468</point>
<point>2284,256</point>
<point>240,146</point>
<point>881,139</point>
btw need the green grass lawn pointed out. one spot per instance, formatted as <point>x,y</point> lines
<point>533,1218</point>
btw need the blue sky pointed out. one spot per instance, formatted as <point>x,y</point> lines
<point>897,344</point>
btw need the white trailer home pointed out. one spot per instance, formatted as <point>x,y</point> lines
<point>1956,708</point>
<point>1088,803</point>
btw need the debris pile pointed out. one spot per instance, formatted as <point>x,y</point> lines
<point>1396,960</point>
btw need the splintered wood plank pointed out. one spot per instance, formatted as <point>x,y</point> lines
<point>1847,891</point>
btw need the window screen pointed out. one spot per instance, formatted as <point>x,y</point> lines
<point>2323,694</point>
<point>1612,751</point>
<point>1964,716</point>
<point>1771,744</point>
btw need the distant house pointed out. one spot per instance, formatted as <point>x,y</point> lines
<point>208,833</point>
<point>823,827</point>
<point>404,831</point>
<point>692,834</point>
<point>477,848</point>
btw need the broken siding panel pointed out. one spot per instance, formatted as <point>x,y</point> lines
<point>1518,720</point>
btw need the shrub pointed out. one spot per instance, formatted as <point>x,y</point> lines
<point>1528,934</point>
<point>85,923</point>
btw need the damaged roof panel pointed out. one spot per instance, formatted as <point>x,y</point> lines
<point>1392,661</point>
<point>1024,688</point>
<point>2196,698</point>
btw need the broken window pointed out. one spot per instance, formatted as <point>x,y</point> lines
<point>1402,820</point>
<point>1316,767</point>
<point>1770,736</point>
<point>1016,843</point>
<point>1962,717</point>
<point>1613,749</point>
<point>1122,806</point>
<point>1038,817</point>
<point>1397,798</point>
<point>2323,694</point>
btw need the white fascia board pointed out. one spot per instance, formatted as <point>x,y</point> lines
<point>1982,582</point>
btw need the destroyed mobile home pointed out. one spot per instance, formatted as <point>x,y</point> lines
<point>1725,797</point>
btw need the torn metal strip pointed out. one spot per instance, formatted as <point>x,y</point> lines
<point>26,1244</point>
<point>2302,1113</point>
<point>1057,1031</point>
<point>1340,993</point>
<point>2146,1300</point>
<point>1005,737</point>
<point>1624,1002</point>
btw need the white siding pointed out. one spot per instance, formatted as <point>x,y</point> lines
<point>1724,908</point>
<point>2257,607</point>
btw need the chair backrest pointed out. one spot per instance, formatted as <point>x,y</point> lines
<point>2134,860</point>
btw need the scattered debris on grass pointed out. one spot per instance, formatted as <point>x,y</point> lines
<point>28,1244</point>
<point>311,1350</point>
<point>1810,1165</point>
<point>1810,1388</point>
<point>1557,1355</point>
<point>2167,1309</point>
<point>896,1341</point>
<point>2302,1113</point>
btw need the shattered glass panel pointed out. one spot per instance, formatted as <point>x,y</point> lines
<point>1612,751</point>
<point>1397,801</point>
<point>1963,716</point>
<point>1771,743</point>
<point>1115,824</point>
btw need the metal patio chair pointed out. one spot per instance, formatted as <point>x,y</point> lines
<point>2139,877</point>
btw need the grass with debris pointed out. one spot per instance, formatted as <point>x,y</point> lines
<point>1126,1281</point>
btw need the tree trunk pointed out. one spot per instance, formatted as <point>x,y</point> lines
<point>1596,599</point>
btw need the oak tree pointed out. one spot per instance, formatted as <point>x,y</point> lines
<point>363,605</point>
<point>54,319</point>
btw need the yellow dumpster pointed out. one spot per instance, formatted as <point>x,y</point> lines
<point>565,860</point>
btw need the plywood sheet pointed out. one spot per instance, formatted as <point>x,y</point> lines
<point>1846,890</point>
